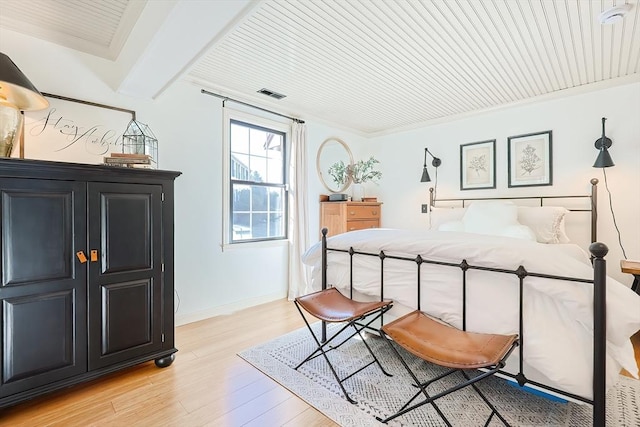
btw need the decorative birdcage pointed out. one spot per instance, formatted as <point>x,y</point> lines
<point>139,139</point>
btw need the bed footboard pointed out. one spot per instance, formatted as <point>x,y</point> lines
<point>598,252</point>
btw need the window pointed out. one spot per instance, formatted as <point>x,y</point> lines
<point>257,182</point>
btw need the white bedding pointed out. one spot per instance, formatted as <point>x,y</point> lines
<point>558,349</point>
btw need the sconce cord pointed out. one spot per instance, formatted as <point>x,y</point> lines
<point>435,186</point>
<point>615,224</point>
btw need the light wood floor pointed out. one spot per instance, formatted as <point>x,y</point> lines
<point>207,385</point>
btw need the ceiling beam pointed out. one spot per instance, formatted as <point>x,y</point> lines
<point>190,28</point>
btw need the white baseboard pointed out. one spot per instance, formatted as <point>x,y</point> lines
<point>183,319</point>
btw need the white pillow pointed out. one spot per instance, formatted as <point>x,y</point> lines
<point>439,216</point>
<point>547,222</point>
<point>494,218</point>
<point>490,217</point>
<point>518,232</point>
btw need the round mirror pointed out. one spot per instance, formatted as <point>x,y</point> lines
<point>333,162</point>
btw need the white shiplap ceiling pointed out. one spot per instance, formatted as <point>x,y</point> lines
<point>376,66</point>
<point>99,27</point>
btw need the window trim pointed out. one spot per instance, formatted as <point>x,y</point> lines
<point>261,123</point>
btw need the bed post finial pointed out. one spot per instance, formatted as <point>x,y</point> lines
<point>431,197</point>
<point>599,250</point>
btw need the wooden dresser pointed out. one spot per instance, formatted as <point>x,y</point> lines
<point>340,217</point>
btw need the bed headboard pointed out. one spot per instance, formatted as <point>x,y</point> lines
<point>592,198</point>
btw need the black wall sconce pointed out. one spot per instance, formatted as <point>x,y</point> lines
<point>604,161</point>
<point>435,162</point>
<point>603,144</point>
<point>426,178</point>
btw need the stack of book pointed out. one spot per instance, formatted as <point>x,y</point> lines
<point>129,160</point>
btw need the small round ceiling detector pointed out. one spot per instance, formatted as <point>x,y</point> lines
<point>614,14</point>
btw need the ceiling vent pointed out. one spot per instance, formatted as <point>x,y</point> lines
<point>271,93</point>
<point>614,14</point>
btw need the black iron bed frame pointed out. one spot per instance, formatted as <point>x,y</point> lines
<point>598,252</point>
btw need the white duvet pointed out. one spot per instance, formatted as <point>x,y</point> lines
<point>558,315</point>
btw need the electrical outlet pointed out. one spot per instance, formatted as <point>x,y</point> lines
<point>425,208</point>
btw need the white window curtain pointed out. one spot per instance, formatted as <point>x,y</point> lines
<point>299,274</point>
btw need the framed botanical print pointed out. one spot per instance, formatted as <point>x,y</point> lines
<point>530,159</point>
<point>478,165</point>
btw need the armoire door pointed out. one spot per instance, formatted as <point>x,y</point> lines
<point>125,272</point>
<point>42,282</point>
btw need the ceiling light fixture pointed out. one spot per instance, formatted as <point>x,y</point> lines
<point>614,14</point>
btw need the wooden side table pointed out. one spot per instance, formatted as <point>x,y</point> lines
<point>632,267</point>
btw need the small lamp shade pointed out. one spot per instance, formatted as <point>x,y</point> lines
<point>425,175</point>
<point>604,159</point>
<point>17,94</point>
<point>16,88</point>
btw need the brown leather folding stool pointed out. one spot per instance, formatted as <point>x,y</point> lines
<point>447,346</point>
<point>331,306</point>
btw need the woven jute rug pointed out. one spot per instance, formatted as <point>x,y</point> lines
<point>379,395</point>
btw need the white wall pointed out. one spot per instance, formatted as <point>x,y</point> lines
<point>188,126</point>
<point>209,280</point>
<point>576,125</point>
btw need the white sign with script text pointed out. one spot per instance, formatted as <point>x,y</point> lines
<point>69,131</point>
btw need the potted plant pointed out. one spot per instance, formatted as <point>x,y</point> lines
<point>360,172</point>
<point>363,171</point>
